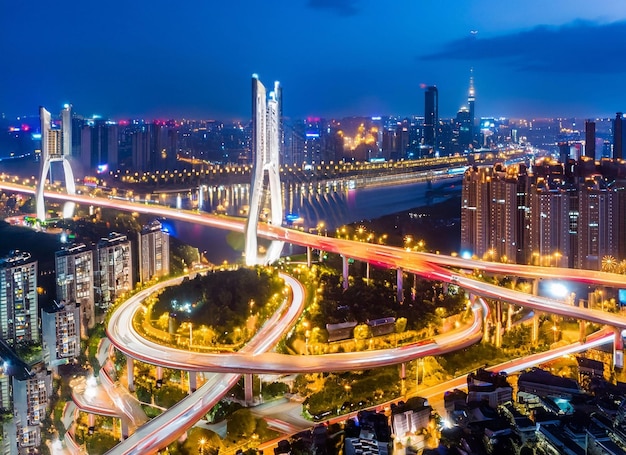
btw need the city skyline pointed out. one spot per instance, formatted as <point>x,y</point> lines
<point>338,58</point>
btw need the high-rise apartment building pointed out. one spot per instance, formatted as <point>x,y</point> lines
<point>99,145</point>
<point>60,331</point>
<point>154,252</point>
<point>549,218</point>
<point>19,309</point>
<point>30,407</point>
<point>570,215</point>
<point>600,223</point>
<point>75,281</point>
<point>492,218</point>
<point>154,146</point>
<point>113,268</point>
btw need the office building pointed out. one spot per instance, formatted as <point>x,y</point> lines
<point>75,281</point>
<point>590,139</point>
<point>431,116</point>
<point>618,137</point>
<point>19,309</point>
<point>113,268</point>
<point>154,252</point>
<point>465,129</point>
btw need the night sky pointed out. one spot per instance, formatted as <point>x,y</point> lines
<point>335,58</point>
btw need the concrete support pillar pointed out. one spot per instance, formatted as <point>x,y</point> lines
<point>124,430</point>
<point>399,283</point>
<point>193,378</point>
<point>367,272</point>
<point>536,286</point>
<point>345,271</point>
<point>130,373</point>
<point>308,256</point>
<point>618,349</point>
<point>159,373</point>
<point>498,336</point>
<point>402,378</point>
<point>582,330</point>
<point>91,420</point>
<point>247,388</point>
<point>509,316</point>
<point>414,288</point>
<point>535,330</point>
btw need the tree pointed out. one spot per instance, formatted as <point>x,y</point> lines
<point>241,424</point>
<point>400,325</point>
<point>362,332</point>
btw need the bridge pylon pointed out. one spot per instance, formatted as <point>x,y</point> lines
<point>56,146</point>
<point>266,114</point>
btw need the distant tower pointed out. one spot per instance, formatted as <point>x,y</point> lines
<point>471,98</point>
<point>431,115</point>
<point>618,137</point>
<point>56,145</point>
<point>590,139</point>
<point>266,149</point>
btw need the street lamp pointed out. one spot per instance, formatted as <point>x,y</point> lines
<point>202,442</point>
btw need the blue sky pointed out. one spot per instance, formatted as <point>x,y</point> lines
<point>194,59</point>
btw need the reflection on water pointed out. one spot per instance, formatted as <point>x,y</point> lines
<point>333,204</point>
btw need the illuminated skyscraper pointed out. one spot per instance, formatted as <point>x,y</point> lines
<point>471,98</point>
<point>431,115</point>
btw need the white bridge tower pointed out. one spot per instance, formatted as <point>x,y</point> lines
<point>266,125</point>
<point>56,145</point>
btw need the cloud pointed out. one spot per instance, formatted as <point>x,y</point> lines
<point>579,46</point>
<point>340,7</point>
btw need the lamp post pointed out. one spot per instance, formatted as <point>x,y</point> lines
<point>202,442</point>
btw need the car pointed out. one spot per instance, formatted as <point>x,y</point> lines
<point>322,415</point>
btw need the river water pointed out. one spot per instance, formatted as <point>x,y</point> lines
<point>310,205</point>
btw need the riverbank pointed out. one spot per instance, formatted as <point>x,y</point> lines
<point>437,225</point>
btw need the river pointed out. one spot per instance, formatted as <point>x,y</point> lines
<point>308,205</point>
